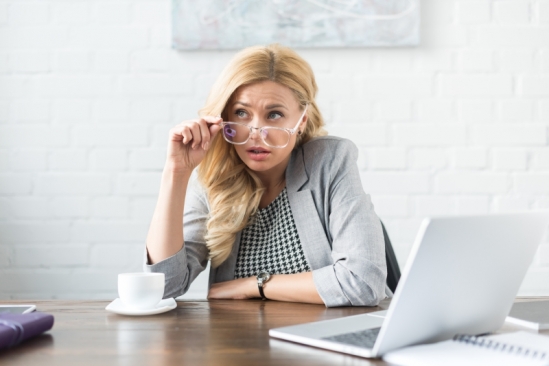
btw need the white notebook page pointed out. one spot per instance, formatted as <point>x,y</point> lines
<point>451,352</point>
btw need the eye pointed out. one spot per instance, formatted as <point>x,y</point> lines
<point>241,113</point>
<point>275,115</point>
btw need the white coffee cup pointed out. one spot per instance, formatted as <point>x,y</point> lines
<point>141,290</point>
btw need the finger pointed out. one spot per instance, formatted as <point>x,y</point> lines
<point>214,125</point>
<point>176,133</point>
<point>197,137</point>
<point>214,129</point>
<point>212,119</point>
<point>205,133</point>
<point>187,135</point>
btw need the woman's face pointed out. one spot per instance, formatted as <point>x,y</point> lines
<point>262,104</point>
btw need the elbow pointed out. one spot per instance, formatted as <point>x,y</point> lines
<point>375,296</point>
<point>173,293</point>
<point>176,281</point>
<point>369,294</point>
<point>340,286</point>
<point>366,290</point>
<point>176,286</point>
<point>363,298</point>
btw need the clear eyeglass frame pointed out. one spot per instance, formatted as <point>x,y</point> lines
<point>262,131</point>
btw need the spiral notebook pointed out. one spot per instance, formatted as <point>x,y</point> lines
<point>518,348</point>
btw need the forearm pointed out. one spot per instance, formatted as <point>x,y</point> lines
<point>297,287</point>
<point>165,237</point>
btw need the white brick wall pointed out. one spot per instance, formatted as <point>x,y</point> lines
<point>89,90</point>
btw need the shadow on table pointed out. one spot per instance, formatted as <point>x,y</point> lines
<point>30,345</point>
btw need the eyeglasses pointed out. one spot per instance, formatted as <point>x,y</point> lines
<point>277,137</point>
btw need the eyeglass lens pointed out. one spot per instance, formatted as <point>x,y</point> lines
<point>237,134</point>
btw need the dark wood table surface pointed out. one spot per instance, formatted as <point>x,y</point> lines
<point>221,332</point>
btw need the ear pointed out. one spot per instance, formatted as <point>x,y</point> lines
<point>303,123</point>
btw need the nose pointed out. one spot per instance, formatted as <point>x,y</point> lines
<point>254,124</point>
<point>254,135</point>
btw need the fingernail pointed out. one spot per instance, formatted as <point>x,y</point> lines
<point>206,146</point>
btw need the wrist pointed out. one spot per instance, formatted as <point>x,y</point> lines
<point>262,279</point>
<point>253,290</point>
<point>176,170</point>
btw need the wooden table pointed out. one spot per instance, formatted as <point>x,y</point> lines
<point>222,332</point>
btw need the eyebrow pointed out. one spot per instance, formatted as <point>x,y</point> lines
<point>270,106</point>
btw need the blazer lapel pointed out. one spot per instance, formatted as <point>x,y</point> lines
<point>311,232</point>
<point>313,239</point>
<point>296,174</point>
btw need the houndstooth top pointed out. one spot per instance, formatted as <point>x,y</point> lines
<point>271,242</point>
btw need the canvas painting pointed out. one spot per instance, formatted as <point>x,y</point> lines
<point>234,24</point>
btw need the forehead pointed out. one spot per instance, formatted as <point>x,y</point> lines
<point>265,92</point>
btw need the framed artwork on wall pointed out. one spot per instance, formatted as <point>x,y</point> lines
<point>234,24</point>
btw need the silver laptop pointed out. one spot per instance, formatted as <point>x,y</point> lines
<point>462,276</point>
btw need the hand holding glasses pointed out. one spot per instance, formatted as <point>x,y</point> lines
<point>190,140</point>
<point>276,137</point>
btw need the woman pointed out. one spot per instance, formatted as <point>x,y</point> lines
<point>277,206</point>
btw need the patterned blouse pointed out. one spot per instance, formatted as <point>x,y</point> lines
<point>271,242</point>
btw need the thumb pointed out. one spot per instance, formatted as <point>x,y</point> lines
<point>214,129</point>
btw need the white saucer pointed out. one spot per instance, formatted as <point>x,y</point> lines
<point>118,307</point>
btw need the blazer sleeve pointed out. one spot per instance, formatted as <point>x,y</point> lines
<point>183,267</point>
<point>359,271</point>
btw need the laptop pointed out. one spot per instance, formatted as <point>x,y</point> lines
<point>462,276</point>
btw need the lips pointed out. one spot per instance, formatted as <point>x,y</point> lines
<point>257,150</point>
<point>257,153</point>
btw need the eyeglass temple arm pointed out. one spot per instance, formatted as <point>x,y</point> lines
<point>300,118</point>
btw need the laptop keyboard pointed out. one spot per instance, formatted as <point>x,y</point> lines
<point>364,338</point>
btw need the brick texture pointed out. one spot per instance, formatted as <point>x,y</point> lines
<point>90,88</point>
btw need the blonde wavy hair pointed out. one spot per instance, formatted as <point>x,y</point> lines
<point>234,191</point>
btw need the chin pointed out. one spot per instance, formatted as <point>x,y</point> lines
<point>258,166</point>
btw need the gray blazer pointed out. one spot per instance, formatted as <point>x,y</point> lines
<point>340,233</point>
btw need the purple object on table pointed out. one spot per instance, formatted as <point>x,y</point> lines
<point>15,328</point>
